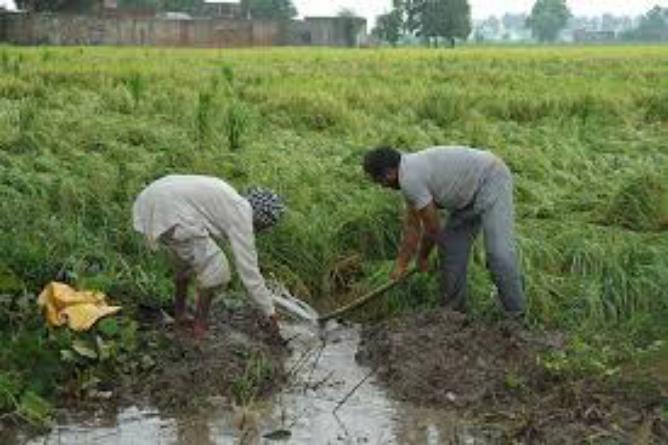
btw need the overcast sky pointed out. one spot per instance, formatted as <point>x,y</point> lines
<point>480,8</point>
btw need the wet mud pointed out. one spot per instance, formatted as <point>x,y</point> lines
<point>237,361</point>
<point>425,378</point>
<point>327,398</point>
<point>492,374</point>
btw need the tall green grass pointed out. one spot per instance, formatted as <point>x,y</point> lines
<point>82,130</point>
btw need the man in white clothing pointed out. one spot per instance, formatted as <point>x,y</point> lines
<point>185,214</point>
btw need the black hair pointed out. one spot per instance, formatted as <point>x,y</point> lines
<point>381,159</point>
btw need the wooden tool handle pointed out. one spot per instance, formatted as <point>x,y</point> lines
<point>366,298</point>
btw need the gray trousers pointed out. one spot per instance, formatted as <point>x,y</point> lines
<point>491,210</point>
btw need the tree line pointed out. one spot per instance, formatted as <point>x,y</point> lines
<point>430,20</point>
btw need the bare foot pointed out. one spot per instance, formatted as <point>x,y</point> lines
<point>199,330</point>
<point>184,320</point>
<point>270,325</point>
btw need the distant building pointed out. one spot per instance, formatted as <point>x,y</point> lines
<point>123,26</point>
<point>510,29</point>
<point>174,15</point>
<point>587,36</point>
<point>223,9</point>
<point>110,8</point>
<point>331,31</point>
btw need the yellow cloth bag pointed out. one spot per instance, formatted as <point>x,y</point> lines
<point>79,309</point>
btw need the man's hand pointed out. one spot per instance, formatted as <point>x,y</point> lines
<point>431,223</point>
<point>271,326</point>
<point>423,264</point>
<point>199,330</point>
<point>400,270</point>
<point>409,243</point>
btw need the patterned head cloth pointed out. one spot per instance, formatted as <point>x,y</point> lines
<point>267,207</point>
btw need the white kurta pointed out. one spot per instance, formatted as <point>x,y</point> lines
<point>204,206</point>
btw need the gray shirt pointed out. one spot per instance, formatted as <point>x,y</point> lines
<point>449,176</point>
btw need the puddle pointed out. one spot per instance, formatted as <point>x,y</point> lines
<point>329,399</point>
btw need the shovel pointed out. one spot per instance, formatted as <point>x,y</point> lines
<point>365,299</point>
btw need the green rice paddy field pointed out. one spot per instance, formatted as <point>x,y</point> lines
<point>584,129</point>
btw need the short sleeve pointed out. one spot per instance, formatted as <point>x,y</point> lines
<point>416,192</point>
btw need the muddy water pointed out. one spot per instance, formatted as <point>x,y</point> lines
<point>329,399</point>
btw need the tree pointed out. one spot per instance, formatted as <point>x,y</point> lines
<point>78,6</point>
<point>409,11</point>
<point>189,6</point>
<point>609,22</point>
<point>269,9</point>
<point>426,18</point>
<point>349,19</point>
<point>389,27</point>
<point>547,18</point>
<point>514,22</point>
<point>444,18</point>
<point>181,5</point>
<point>88,6</point>
<point>493,24</point>
<point>653,26</point>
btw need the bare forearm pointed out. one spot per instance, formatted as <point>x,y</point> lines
<point>409,245</point>
<point>426,246</point>
<point>431,226</point>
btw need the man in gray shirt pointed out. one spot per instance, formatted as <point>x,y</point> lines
<point>476,188</point>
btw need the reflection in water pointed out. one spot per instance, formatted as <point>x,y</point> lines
<point>321,384</point>
<point>322,404</point>
<point>195,430</point>
<point>132,425</point>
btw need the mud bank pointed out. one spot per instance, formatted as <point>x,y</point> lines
<point>237,361</point>
<point>172,372</point>
<point>328,398</point>
<point>492,374</point>
<point>424,378</point>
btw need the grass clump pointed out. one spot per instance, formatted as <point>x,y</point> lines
<point>641,204</point>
